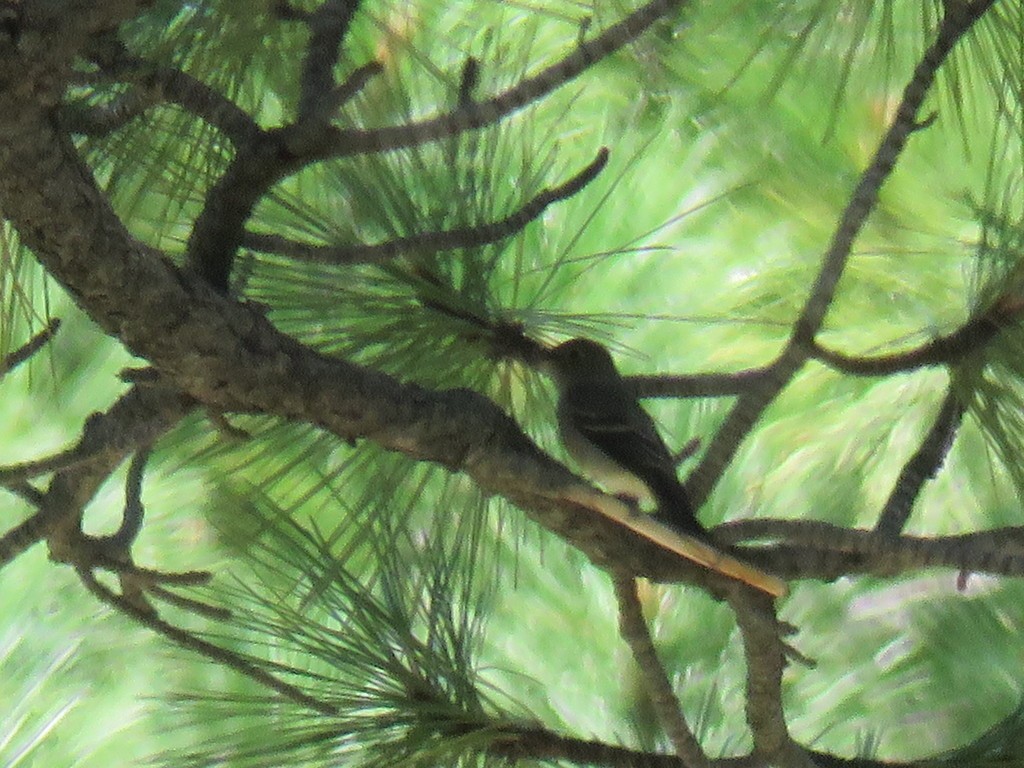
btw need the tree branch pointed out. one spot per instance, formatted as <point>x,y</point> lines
<point>269,156</point>
<point>923,466</point>
<point>951,30</point>
<point>11,361</point>
<point>328,26</point>
<point>158,84</point>
<point>634,631</point>
<point>194,643</point>
<point>137,418</point>
<point>813,549</point>
<point>699,384</point>
<point>525,743</point>
<point>87,119</point>
<point>944,350</point>
<point>766,660</point>
<point>463,237</point>
<point>229,357</point>
<point>134,510</point>
<point>26,491</point>
<point>338,142</point>
<point>33,468</point>
<point>747,410</point>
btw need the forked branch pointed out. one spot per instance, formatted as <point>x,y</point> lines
<point>749,407</point>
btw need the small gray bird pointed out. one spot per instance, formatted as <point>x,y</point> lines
<point>611,438</point>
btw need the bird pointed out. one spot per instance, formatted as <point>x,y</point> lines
<point>612,438</point>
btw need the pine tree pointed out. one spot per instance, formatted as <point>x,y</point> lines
<point>279,281</point>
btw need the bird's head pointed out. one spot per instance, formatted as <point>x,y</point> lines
<point>580,360</point>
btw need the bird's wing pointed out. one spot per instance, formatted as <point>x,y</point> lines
<point>620,428</point>
<point>626,434</point>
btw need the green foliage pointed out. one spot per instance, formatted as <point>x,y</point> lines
<point>432,618</point>
<point>391,646</point>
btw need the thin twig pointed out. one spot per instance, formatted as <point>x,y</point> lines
<point>351,86</point>
<point>468,80</point>
<point>944,350</point>
<point>285,11</point>
<point>25,351</point>
<point>266,157</point>
<point>339,142</point>
<point>22,536</point>
<point>166,83</point>
<point>124,426</point>
<point>922,466</point>
<point>134,511</point>
<point>951,30</point>
<point>634,631</point>
<point>138,417</point>
<point>225,427</point>
<point>463,237</point>
<point>191,642</point>
<point>189,604</point>
<point>698,384</point>
<point>66,459</point>
<point>92,552</point>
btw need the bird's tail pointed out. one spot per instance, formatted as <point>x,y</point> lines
<point>674,507</point>
<point>675,512</point>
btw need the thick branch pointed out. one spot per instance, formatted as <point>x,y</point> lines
<point>538,744</point>
<point>229,357</point>
<point>63,28</point>
<point>218,229</point>
<point>87,119</point>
